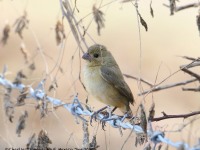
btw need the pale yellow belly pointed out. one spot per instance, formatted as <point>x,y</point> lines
<point>100,89</point>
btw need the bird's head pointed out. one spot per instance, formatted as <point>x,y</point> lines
<point>98,55</point>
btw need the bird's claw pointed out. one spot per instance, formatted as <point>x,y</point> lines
<point>104,119</point>
<point>94,115</point>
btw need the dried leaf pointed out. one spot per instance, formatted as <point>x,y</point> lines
<point>43,140</point>
<point>140,139</point>
<point>136,120</point>
<point>25,53</point>
<point>151,9</point>
<point>172,6</point>
<point>86,144</point>
<point>42,106</point>
<point>53,86</point>
<point>8,105</point>
<point>93,144</point>
<point>147,147</point>
<point>23,94</point>
<point>21,123</point>
<point>32,143</point>
<point>143,119</point>
<point>159,147</point>
<point>19,77</point>
<point>60,34</point>
<point>143,23</point>
<point>6,32</point>
<point>151,111</point>
<point>21,23</point>
<point>32,66</point>
<point>99,19</point>
<point>198,22</point>
<point>181,147</point>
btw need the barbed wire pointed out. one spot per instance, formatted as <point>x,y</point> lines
<point>80,111</point>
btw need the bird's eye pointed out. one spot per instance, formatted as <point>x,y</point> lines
<point>96,55</point>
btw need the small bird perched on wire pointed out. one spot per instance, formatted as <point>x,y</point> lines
<point>103,79</point>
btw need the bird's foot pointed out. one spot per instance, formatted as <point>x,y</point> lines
<point>94,115</point>
<point>104,119</point>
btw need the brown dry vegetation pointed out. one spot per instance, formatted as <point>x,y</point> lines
<point>43,47</point>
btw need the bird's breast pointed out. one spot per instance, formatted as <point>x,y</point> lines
<point>93,81</point>
<point>99,88</point>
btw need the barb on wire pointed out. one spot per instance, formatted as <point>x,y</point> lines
<point>80,111</point>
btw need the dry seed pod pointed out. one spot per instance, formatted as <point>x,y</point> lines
<point>99,19</point>
<point>143,119</point>
<point>172,6</point>
<point>21,23</point>
<point>42,106</point>
<point>151,111</point>
<point>31,142</point>
<point>8,105</point>
<point>93,144</point>
<point>6,32</point>
<point>140,139</point>
<point>21,98</point>
<point>198,22</point>
<point>19,77</point>
<point>151,9</point>
<point>43,140</point>
<point>142,21</point>
<point>21,123</point>
<point>25,52</point>
<point>60,34</point>
<point>32,66</point>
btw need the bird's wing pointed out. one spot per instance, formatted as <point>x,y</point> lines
<point>114,77</point>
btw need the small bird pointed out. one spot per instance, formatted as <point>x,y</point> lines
<point>103,79</point>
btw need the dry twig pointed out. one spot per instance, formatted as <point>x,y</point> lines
<point>158,88</point>
<point>184,116</point>
<point>137,78</point>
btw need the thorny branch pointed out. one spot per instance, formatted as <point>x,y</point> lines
<point>184,116</point>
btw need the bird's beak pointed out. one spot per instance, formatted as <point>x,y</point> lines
<point>87,56</point>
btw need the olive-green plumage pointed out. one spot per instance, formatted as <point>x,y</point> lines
<point>103,79</point>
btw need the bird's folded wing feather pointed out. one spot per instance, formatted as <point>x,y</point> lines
<point>114,77</point>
